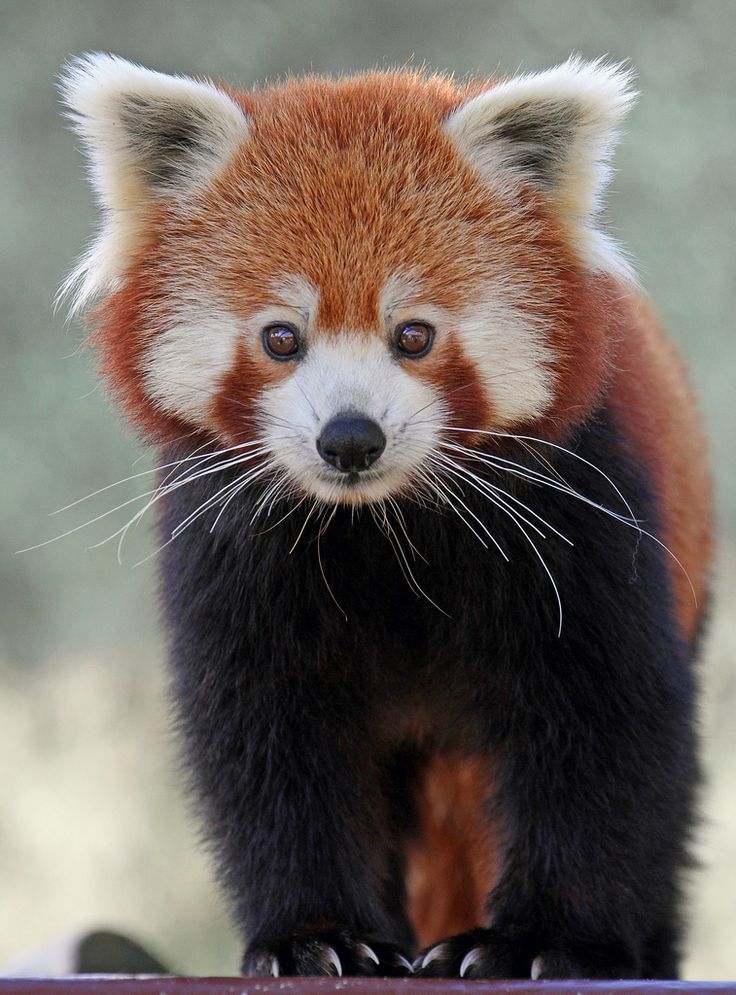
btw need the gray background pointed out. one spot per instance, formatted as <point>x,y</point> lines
<point>92,826</point>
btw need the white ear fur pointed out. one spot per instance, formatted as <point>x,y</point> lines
<point>554,130</point>
<point>148,136</point>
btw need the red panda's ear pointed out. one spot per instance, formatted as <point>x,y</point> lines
<point>554,130</point>
<point>149,137</point>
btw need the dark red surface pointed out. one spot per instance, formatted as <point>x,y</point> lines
<point>101,985</point>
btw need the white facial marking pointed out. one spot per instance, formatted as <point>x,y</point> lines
<point>352,371</point>
<point>356,373</point>
<point>508,348</point>
<point>297,293</point>
<point>402,300</point>
<point>511,355</point>
<point>188,357</point>
<point>401,290</point>
<point>294,301</point>
<point>194,347</point>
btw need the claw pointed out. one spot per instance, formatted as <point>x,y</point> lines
<point>368,952</point>
<point>334,960</point>
<point>433,954</point>
<point>471,957</point>
<point>537,968</point>
<point>275,967</point>
<point>402,960</point>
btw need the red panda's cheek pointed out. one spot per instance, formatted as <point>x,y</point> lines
<point>234,409</point>
<point>121,339</point>
<point>583,339</point>
<point>466,401</point>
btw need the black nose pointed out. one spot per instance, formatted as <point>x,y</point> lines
<point>351,442</point>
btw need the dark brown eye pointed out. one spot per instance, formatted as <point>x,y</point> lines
<point>281,341</point>
<point>414,338</point>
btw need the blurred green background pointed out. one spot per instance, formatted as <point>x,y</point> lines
<point>93,828</point>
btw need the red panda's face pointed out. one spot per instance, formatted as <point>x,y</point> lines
<point>347,271</point>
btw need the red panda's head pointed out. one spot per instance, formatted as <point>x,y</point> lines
<point>346,269</point>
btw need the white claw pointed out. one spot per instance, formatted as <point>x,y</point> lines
<point>275,967</point>
<point>334,960</point>
<point>537,968</point>
<point>433,954</point>
<point>368,952</point>
<point>405,962</point>
<point>471,957</point>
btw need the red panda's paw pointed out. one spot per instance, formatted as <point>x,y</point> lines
<point>489,953</point>
<point>334,952</point>
<point>480,953</point>
<point>558,964</point>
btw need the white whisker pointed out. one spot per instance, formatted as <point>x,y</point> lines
<point>445,485</point>
<point>401,558</point>
<point>402,525</point>
<point>162,491</point>
<point>324,523</point>
<point>501,497</point>
<point>84,525</point>
<point>518,470</point>
<point>283,517</point>
<point>144,473</point>
<point>268,495</point>
<point>240,482</point>
<point>499,494</point>
<point>515,518</point>
<point>154,494</point>
<point>477,483</point>
<point>316,503</point>
<point>553,445</point>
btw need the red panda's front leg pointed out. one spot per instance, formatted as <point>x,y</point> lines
<point>595,774</point>
<point>596,808</point>
<point>296,817</point>
<point>597,811</point>
<point>279,734</point>
<point>314,859</point>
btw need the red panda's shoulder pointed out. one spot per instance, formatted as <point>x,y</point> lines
<point>655,410</point>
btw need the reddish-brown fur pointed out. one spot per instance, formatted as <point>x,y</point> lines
<point>289,203</point>
<point>657,413</point>
<point>121,335</point>
<point>457,859</point>
<point>345,184</point>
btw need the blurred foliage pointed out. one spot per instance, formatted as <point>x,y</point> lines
<point>84,629</point>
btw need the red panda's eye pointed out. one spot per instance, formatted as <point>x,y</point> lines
<point>281,341</point>
<point>414,338</point>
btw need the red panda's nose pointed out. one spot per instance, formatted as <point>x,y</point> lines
<point>350,442</point>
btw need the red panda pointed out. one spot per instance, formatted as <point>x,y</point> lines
<point>436,540</point>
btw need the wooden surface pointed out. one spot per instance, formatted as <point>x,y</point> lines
<point>116,985</point>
